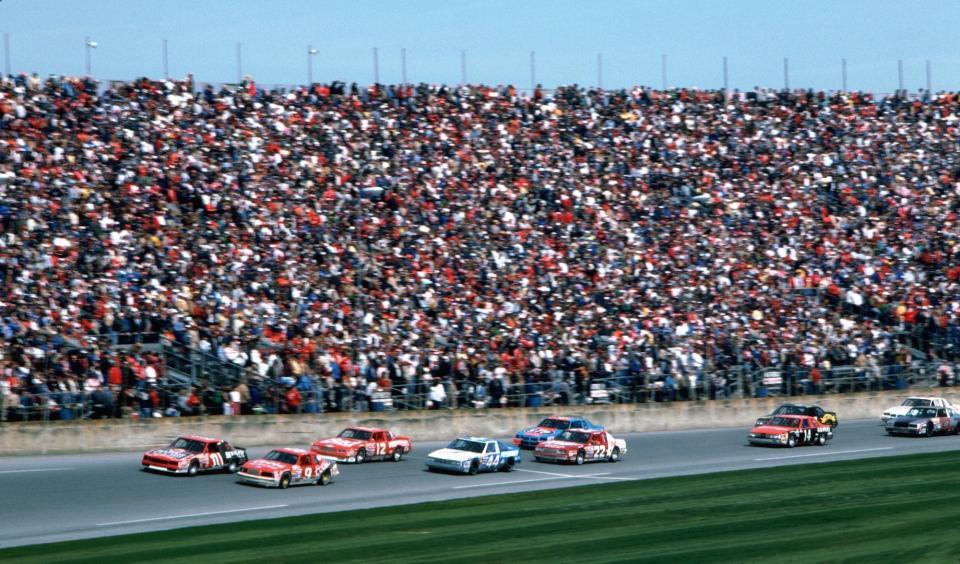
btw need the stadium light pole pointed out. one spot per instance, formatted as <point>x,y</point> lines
<point>663,71</point>
<point>786,73</point>
<point>403,65</point>
<point>929,78</point>
<point>239,62</point>
<point>900,75</point>
<point>600,70</point>
<point>463,66</point>
<point>533,71</point>
<point>166,68</point>
<point>88,46</point>
<point>726,82</point>
<point>6,54</point>
<point>310,53</point>
<point>376,66</point>
<point>843,71</point>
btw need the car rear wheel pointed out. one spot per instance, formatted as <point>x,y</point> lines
<point>397,454</point>
<point>474,467</point>
<point>324,478</point>
<point>791,441</point>
<point>581,456</point>
<point>615,455</point>
<point>509,465</point>
<point>193,469</point>
<point>285,481</point>
<point>930,429</point>
<point>361,456</point>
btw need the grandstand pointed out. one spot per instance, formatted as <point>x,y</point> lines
<point>174,249</point>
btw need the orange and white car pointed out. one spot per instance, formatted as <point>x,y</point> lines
<point>360,444</point>
<point>285,467</point>
<point>576,446</point>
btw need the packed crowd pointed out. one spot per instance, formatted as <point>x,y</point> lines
<point>393,236</point>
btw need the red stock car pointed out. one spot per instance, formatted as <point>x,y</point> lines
<point>790,431</point>
<point>359,444</point>
<point>576,446</point>
<point>285,467</point>
<point>191,455</point>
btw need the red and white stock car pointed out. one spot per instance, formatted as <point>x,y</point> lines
<point>359,444</point>
<point>191,455</point>
<point>576,446</point>
<point>285,467</point>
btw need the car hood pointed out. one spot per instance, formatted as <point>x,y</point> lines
<point>909,420</point>
<point>339,442</point>
<point>898,410</point>
<point>452,454</point>
<point>540,431</point>
<point>560,444</point>
<point>174,453</point>
<point>772,429</point>
<point>261,464</point>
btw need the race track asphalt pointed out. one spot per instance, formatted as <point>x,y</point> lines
<point>53,498</point>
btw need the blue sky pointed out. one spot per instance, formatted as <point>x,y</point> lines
<point>47,36</point>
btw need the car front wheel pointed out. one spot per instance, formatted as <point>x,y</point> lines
<point>474,468</point>
<point>791,441</point>
<point>821,440</point>
<point>324,478</point>
<point>361,456</point>
<point>285,481</point>
<point>397,454</point>
<point>615,455</point>
<point>580,458</point>
<point>193,469</point>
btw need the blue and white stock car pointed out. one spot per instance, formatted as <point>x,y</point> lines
<point>469,455</point>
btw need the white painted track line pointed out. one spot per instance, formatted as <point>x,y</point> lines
<point>830,453</point>
<point>187,516</point>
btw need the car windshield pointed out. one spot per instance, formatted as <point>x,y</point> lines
<point>284,457</point>
<point>784,422</point>
<point>916,402</point>
<point>574,436</point>
<point>189,445</point>
<point>554,423</point>
<point>790,410</point>
<point>464,444</point>
<point>922,412</point>
<point>355,434</point>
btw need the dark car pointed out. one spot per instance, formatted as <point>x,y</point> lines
<point>823,416</point>
<point>926,422</point>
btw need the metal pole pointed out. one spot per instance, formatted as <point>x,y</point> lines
<point>239,62</point>
<point>166,69</point>
<point>726,82</point>
<point>86,47</point>
<point>376,66</point>
<point>310,53</point>
<point>463,66</point>
<point>663,72</point>
<point>6,54</point>
<point>786,73</point>
<point>900,75</point>
<point>600,70</point>
<point>929,78</point>
<point>843,66</point>
<point>403,65</point>
<point>533,71</point>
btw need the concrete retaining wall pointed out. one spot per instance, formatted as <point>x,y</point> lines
<point>300,430</point>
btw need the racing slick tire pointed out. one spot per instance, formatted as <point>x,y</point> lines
<point>324,478</point>
<point>615,455</point>
<point>194,469</point>
<point>929,429</point>
<point>581,457</point>
<point>233,467</point>
<point>284,481</point>
<point>474,468</point>
<point>508,466</point>
<point>361,456</point>
<point>791,441</point>
<point>821,440</point>
<point>956,430</point>
<point>397,455</point>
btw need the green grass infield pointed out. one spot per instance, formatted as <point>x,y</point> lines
<point>892,509</point>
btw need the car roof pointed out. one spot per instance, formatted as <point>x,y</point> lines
<point>478,439</point>
<point>795,405</point>
<point>924,398</point>
<point>288,450</point>
<point>561,417</point>
<point>359,428</point>
<point>198,438</point>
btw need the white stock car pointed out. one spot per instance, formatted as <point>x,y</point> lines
<point>469,455</point>
<point>910,403</point>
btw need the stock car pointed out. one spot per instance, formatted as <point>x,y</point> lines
<point>910,403</point>
<point>469,455</point>
<point>823,416</point>
<point>576,446</point>
<point>790,431</point>
<point>925,422</point>
<point>359,444</point>
<point>191,455</point>
<point>550,428</point>
<point>285,467</point>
